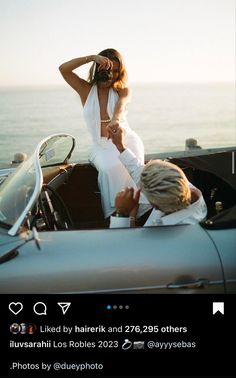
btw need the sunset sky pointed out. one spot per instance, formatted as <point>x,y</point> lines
<point>161,40</point>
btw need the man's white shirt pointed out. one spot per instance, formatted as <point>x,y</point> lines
<point>193,214</point>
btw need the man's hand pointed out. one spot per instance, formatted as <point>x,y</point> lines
<point>117,136</point>
<point>126,203</point>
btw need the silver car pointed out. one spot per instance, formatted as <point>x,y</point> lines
<point>53,238</point>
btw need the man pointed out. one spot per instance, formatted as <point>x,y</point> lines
<point>173,198</point>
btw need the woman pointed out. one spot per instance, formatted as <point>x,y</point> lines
<point>104,98</point>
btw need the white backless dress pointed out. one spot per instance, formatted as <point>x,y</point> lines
<point>112,175</point>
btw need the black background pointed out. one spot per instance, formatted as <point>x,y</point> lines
<point>213,334</point>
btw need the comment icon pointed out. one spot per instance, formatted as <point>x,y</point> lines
<point>40,308</point>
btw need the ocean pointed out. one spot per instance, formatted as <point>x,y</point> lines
<point>164,115</point>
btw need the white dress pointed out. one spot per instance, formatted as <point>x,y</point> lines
<point>112,175</point>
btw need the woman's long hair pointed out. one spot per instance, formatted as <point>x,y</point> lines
<point>115,56</point>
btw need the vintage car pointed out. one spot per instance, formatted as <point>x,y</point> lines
<point>54,239</point>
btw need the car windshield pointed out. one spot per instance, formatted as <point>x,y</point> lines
<point>56,150</point>
<point>22,187</point>
<point>16,192</point>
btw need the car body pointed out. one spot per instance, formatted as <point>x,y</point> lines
<point>53,238</point>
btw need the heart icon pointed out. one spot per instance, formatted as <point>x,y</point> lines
<point>15,307</point>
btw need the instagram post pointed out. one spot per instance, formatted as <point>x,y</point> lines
<point>117,188</point>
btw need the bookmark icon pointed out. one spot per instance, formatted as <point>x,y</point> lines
<point>218,307</point>
<point>64,306</point>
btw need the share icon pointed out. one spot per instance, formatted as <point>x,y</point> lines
<point>64,306</point>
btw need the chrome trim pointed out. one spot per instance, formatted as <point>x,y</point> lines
<point>138,288</point>
<point>38,185</point>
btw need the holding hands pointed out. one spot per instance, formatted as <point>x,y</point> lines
<point>116,134</point>
<point>112,129</point>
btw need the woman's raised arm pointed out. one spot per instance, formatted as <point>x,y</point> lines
<point>77,83</point>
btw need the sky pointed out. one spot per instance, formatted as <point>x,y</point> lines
<point>160,40</point>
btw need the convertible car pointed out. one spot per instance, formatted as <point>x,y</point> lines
<point>54,239</point>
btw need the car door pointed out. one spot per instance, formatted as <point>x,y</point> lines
<point>170,259</point>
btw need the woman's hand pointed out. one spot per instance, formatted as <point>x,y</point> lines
<point>112,127</point>
<point>103,62</point>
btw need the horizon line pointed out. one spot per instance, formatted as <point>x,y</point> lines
<point>58,85</point>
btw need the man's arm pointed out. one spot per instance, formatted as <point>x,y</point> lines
<point>127,157</point>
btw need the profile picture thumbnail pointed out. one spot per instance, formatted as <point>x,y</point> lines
<point>15,328</point>
<point>31,328</point>
<point>24,328</point>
